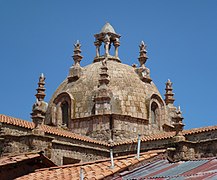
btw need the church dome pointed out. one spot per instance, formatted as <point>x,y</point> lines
<point>108,99</point>
<point>129,94</point>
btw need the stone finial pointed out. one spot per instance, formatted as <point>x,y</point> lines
<point>77,53</point>
<point>169,99</point>
<point>143,54</point>
<point>76,71</point>
<point>40,106</point>
<point>142,71</point>
<point>41,89</point>
<point>178,125</point>
<point>102,98</point>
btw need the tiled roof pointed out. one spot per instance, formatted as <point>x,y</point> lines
<point>14,159</point>
<point>16,122</point>
<point>168,135</point>
<point>199,130</point>
<point>91,170</point>
<point>68,134</point>
<point>64,133</point>
<point>47,129</point>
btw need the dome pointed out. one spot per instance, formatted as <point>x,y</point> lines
<point>129,93</point>
<point>109,100</point>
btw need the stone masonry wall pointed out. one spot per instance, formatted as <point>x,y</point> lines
<point>13,130</point>
<point>61,150</point>
<point>97,127</point>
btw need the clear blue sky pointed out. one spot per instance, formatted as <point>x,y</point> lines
<point>38,36</point>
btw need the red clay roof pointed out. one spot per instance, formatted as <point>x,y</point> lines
<point>91,170</point>
<point>16,122</point>
<point>14,159</point>
<point>64,133</point>
<point>47,129</point>
<point>168,135</point>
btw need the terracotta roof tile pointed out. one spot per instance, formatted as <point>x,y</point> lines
<point>168,135</point>
<point>13,159</point>
<point>92,170</point>
<point>47,129</point>
<point>16,121</point>
<point>64,133</point>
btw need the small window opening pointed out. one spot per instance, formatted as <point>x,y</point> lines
<point>154,111</point>
<point>65,113</point>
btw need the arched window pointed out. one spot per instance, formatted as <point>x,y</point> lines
<point>65,113</point>
<point>63,110</point>
<point>154,112</point>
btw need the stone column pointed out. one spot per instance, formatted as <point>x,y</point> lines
<point>97,44</point>
<point>107,42</point>
<point>116,45</point>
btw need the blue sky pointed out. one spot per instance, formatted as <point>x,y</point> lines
<point>38,36</point>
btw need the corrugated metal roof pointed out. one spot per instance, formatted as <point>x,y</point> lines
<point>163,170</point>
<point>181,168</point>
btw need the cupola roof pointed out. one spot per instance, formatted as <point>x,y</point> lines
<point>107,28</point>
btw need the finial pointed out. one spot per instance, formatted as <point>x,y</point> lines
<point>169,99</point>
<point>39,107</point>
<point>179,110</point>
<point>142,54</point>
<point>41,89</point>
<point>77,53</point>
<point>177,119</point>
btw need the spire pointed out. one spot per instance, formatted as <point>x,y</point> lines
<point>102,98</point>
<point>143,71</point>
<point>109,37</point>
<point>169,99</point>
<point>178,125</point>
<point>77,53</point>
<point>75,71</point>
<point>143,54</point>
<point>41,89</point>
<point>39,107</point>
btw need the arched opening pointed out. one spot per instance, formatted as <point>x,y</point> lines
<point>154,113</point>
<point>65,113</point>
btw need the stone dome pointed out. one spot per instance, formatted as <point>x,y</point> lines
<point>129,94</point>
<point>108,99</point>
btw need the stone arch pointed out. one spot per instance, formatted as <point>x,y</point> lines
<point>63,109</point>
<point>157,111</point>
